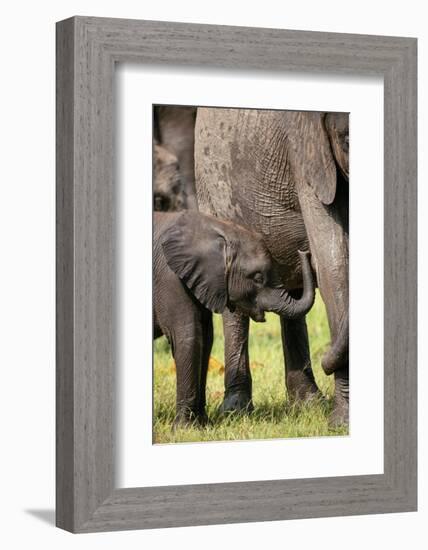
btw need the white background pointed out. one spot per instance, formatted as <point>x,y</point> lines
<point>27,288</point>
<point>360,453</point>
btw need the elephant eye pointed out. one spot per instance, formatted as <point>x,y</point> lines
<point>258,278</point>
<point>345,139</point>
<point>161,203</point>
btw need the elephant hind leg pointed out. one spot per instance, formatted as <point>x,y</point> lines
<point>300,381</point>
<point>340,413</point>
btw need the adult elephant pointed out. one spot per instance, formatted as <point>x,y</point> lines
<point>285,174</point>
<point>174,129</point>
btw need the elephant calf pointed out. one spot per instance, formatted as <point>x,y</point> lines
<point>169,194</point>
<point>204,265</point>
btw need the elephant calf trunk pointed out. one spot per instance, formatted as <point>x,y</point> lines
<point>279,300</point>
<point>337,356</point>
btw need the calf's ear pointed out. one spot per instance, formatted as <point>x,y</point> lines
<point>195,250</point>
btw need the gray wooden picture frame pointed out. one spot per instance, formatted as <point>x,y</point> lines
<point>87,50</point>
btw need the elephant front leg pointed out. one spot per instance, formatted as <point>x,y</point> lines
<point>238,384</point>
<point>208,337</point>
<point>299,378</point>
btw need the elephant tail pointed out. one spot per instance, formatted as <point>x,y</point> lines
<point>338,354</point>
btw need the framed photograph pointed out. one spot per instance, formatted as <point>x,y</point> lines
<point>231,201</point>
<point>228,228</point>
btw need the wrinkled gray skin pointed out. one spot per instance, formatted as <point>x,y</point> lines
<point>202,265</point>
<point>174,129</point>
<point>284,174</point>
<point>169,194</point>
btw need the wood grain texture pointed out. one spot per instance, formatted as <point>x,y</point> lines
<point>87,49</point>
<point>64,277</point>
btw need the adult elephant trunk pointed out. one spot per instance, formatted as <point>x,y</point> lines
<point>279,300</point>
<point>337,355</point>
<point>323,193</point>
<point>328,239</point>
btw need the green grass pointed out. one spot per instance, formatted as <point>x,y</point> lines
<point>273,416</point>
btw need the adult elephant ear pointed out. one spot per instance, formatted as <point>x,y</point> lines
<point>195,250</point>
<point>313,161</point>
<point>337,126</point>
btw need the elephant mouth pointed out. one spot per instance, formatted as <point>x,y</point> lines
<point>255,313</point>
<point>258,316</point>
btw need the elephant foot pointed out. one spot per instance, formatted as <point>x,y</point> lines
<point>237,402</point>
<point>339,416</point>
<point>187,418</point>
<point>301,386</point>
<point>340,413</point>
<point>203,419</point>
